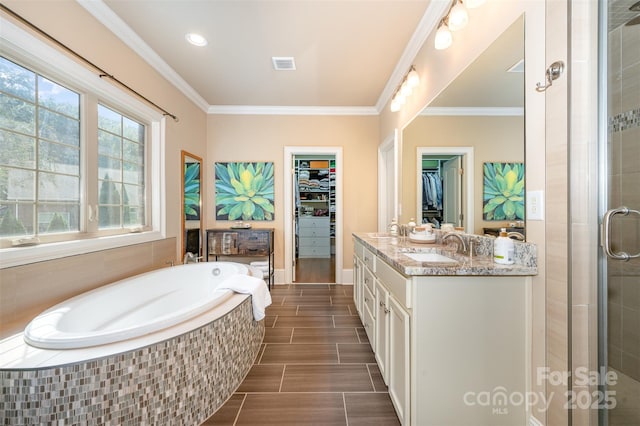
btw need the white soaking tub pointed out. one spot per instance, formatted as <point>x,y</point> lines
<point>133,307</point>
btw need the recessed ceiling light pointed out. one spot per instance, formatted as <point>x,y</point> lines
<point>196,39</point>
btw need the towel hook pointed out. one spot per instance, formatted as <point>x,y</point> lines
<point>553,73</point>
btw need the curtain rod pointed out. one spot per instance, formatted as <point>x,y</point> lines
<point>102,72</point>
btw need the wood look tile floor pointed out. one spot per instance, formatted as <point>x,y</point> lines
<point>315,367</point>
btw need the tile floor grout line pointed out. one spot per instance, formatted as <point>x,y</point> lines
<point>344,405</point>
<point>235,420</point>
<point>373,386</point>
<point>284,370</point>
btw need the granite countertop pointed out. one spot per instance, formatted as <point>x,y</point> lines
<point>394,251</point>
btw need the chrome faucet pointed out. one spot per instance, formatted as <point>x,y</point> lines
<point>462,247</point>
<point>190,258</point>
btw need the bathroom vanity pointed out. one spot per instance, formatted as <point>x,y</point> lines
<point>450,332</point>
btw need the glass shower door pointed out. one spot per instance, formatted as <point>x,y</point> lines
<point>620,289</point>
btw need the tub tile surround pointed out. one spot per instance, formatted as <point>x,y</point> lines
<point>481,263</point>
<point>180,380</point>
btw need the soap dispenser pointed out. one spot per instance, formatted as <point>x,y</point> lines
<point>503,249</point>
<point>393,227</point>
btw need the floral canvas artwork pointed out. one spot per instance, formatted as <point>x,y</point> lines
<point>503,197</point>
<point>244,191</point>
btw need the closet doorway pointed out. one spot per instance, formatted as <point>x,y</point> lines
<point>445,187</point>
<point>313,215</point>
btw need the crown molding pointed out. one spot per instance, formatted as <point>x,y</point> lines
<point>473,111</point>
<point>289,110</point>
<point>117,26</point>
<point>429,21</point>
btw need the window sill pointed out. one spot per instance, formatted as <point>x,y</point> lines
<point>17,256</point>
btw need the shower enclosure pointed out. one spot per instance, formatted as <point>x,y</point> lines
<point>619,287</point>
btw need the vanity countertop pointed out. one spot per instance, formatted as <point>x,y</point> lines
<point>394,251</point>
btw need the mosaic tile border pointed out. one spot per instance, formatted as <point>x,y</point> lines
<point>183,380</point>
<point>625,120</point>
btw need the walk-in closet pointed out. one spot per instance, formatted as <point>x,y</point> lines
<point>315,200</point>
<point>441,179</point>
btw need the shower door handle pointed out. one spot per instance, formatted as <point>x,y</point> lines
<point>606,230</point>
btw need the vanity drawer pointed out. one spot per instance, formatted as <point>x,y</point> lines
<point>369,300</point>
<point>368,278</point>
<point>358,248</point>
<point>369,259</point>
<point>395,282</point>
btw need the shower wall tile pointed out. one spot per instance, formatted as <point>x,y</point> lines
<point>631,332</point>
<point>630,85</point>
<point>630,365</point>
<point>630,40</point>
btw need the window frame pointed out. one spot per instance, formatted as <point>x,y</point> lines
<point>29,51</point>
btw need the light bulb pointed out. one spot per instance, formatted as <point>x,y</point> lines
<point>472,4</point>
<point>400,99</point>
<point>458,17</point>
<point>443,37</point>
<point>395,106</point>
<point>405,89</point>
<point>413,78</point>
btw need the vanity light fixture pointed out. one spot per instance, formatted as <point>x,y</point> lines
<point>455,20</point>
<point>196,39</point>
<point>458,16</point>
<point>410,81</point>
<point>444,38</point>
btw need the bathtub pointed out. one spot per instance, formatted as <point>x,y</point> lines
<point>197,363</point>
<point>132,307</point>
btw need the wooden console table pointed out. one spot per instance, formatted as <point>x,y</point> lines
<point>241,242</point>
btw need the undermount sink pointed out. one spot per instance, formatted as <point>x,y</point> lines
<point>430,257</point>
<point>379,235</point>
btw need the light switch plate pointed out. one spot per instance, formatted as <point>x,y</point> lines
<point>535,205</point>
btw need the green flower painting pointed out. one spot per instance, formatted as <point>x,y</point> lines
<point>244,191</point>
<point>503,191</point>
<point>192,191</point>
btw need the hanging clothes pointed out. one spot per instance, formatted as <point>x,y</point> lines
<point>431,191</point>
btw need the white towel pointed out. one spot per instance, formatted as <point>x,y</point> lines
<point>259,263</point>
<point>257,288</point>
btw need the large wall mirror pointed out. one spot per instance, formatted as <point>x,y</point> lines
<point>192,215</point>
<point>476,122</point>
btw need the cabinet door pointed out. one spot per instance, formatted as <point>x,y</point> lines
<point>368,308</point>
<point>382,331</point>
<point>398,361</point>
<point>357,284</point>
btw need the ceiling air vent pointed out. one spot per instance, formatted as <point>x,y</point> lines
<point>283,63</point>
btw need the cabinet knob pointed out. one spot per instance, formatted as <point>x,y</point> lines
<point>386,310</point>
<point>381,303</point>
<point>366,299</point>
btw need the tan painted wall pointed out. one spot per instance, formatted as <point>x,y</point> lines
<point>492,139</point>
<point>263,138</point>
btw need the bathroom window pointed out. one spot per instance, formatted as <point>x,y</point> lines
<point>80,159</point>
<point>121,178</point>
<point>39,154</point>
